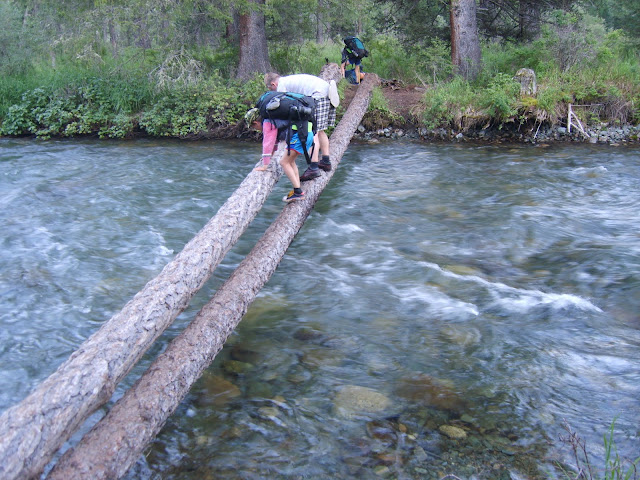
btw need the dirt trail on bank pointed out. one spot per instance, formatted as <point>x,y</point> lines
<point>404,100</point>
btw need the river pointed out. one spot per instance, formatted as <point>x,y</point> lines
<point>446,309</point>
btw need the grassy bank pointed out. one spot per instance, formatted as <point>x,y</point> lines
<point>190,94</point>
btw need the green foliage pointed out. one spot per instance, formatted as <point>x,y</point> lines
<point>615,468</point>
<point>443,102</point>
<point>620,15</point>
<point>509,57</point>
<point>95,105</point>
<point>417,21</point>
<point>573,38</point>
<point>435,59</point>
<point>389,59</point>
<point>13,46</point>
<point>304,57</point>
<point>500,99</point>
<point>379,115</point>
<point>551,95</point>
<point>221,59</point>
<point>193,111</point>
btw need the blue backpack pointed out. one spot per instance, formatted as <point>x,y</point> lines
<point>355,47</point>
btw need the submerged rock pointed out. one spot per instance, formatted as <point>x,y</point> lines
<point>234,367</point>
<point>430,391</point>
<point>455,433</point>
<point>352,401</point>
<point>217,391</point>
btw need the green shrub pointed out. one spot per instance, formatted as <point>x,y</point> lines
<point>388,58</point>
<point>508,58</point>
<point>431,64</point>
<point>500,99</point>
<point>303,57</point>
<point>192,111</point>
<point>96,105</point>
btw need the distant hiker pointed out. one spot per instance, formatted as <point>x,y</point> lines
<point>326,97</point>
<point>288,117</point>
<point>352,54</point>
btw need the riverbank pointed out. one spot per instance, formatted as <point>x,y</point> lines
<point>405,109</point>
<point>398,112</point>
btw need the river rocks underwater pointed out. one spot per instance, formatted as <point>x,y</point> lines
<point>423,432</point>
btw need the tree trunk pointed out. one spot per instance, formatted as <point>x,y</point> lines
<point>254,55</point>
<point>116,442</point>
<point>113,37</point>
<point>465,44</point>
<point>320,29</point>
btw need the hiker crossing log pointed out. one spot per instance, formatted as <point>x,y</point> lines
<point>116,442</point>
<point>32,431</point>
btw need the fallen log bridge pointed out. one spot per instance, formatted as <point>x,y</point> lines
<point>32,431</point>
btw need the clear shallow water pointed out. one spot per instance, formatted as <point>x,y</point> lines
<point>493,289</point>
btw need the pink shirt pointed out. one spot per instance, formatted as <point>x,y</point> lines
<point>269,140</point>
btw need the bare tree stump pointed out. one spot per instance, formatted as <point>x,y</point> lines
<point>527,80</point>
<point>117,441</point>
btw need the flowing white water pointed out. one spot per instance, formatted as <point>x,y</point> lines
<point>495,289</point>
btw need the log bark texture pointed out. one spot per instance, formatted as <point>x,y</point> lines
<point>116,442</point>
<point>32,431</point>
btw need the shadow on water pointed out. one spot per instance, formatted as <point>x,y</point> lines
<point>443,311</point>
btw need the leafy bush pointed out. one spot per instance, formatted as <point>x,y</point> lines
<point>388,58</point>
<point>303,57</point>
<point>434,60</point>
<point>93,106</point>
<point>508,58</point>
<point>500,99</point>
<point>193,111</point>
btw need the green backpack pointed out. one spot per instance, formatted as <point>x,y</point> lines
<point>355,47</point>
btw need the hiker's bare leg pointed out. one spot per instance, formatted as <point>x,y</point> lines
<point>290,168</point>
<point>323,144</point>
<point>358,73</point>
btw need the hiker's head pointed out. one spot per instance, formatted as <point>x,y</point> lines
<point>252,119</point>
<point>271,81</point>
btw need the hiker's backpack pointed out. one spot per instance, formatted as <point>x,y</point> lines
<point>296,109</point>
<point>355,47</point>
